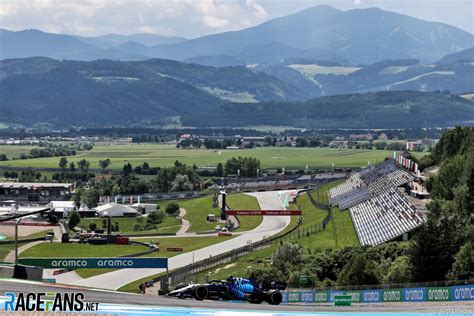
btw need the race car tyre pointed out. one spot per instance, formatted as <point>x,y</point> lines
<point>274,297</point>
<point>201,293</point>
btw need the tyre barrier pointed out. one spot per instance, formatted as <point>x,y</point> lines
<point>418,294</point>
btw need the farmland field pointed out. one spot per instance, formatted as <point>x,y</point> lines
<point>16,150</point>
<point>159,155</point>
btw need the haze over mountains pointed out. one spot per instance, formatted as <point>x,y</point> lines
<point>319,52</point>
<point>323,33</point>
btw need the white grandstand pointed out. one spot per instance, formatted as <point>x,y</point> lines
<point>384,217</point>
<point>379,211</point>
<point>368,183</point>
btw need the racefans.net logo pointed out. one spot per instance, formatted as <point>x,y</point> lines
<point>48,302</point>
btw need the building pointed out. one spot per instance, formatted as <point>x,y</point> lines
<point>144,208</point>
<point>62,208</point>
<point>36,191</point>
<point>115,210</point>
<point>361,136</point>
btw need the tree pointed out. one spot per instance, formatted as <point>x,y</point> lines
<point>83,165</point>
<point>359,271</point>
<point>92,226</point>
<point>103,164</point>
<point>172,209</point>
<point>72,166</point>
<point>181,183</point>
<point>288,255</point>
<point>127,168</point>
<point>74,219</point>
<point>399,271</point>
<point>219,170</point>
<point>248,166</point>
<point>463,266</point>
<point>63,163</point>
<point>155,217</point>
<point>137,227</point>
<point>77,197</point>
<point>162,180</point>
<point>437,241</point>
<point>3,157</point>
<point>91,197</point>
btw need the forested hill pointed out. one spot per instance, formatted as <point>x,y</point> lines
<point>395,109</point>
<point>105,91</point>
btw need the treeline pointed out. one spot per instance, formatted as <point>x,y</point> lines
<point>180,177</point>
<point>27,175</point>
<point>53,150</point>
<point>387,263</point>
<point>386,109</point>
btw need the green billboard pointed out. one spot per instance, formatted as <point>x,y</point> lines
<point>436,294</point>
<point>342,300</point>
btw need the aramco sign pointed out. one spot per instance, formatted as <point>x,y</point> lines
<point>96,263</point>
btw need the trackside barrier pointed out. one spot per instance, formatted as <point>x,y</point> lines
<point>418,294</point>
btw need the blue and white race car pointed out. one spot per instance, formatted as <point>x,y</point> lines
<point>232,289</point>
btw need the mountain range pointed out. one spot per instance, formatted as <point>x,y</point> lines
<point>106,91</point>
<point>40,89</point>
<point>353,37</point>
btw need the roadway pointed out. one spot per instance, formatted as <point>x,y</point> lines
<point>270,225</point>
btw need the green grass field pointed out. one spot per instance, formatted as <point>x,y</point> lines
<point>165,155</point>
<point>54,249</point>
<point>16,150</point>
<point>245,202</point>
<point>197,210</point>
<point>169,225</point>
<point>5,250</point>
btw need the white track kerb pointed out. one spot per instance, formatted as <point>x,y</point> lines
<point>270,225</point>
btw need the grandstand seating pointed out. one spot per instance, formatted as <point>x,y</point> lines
<point>367,183</point>
<point>384,217</point>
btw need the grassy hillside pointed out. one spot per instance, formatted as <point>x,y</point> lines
<point>198,209</point>
<point>111,92</point>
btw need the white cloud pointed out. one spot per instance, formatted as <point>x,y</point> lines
<point>192,18</point>
<point>96,17</point>
<point>214,22</point>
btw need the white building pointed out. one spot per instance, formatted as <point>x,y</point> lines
<point>64,207</point>
<point>115,210</point>
<point>144,207</point>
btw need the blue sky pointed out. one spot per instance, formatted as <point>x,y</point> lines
<point>194,18</point>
